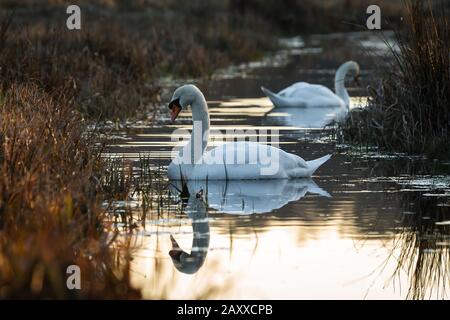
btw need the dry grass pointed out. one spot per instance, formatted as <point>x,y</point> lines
<point>50,214</point>
<point>113,64</point>
<point>410,112</point>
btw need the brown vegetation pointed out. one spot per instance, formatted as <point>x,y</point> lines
<point>409,112</point>
<point>112,65</point>
<point>50,214</point>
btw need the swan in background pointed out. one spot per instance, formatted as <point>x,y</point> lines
<point>245,197</point>
<point>232,160</point>
<point>305,95</point>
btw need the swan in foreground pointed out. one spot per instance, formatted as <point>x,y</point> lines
<point>303,94</point>
<point>232,160</point>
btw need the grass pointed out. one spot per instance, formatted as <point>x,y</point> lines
<point>50,196</point>
<point>59,202</point>
<point>409,111</point>
<point>112,65</point>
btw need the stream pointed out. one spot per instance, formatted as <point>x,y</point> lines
<point>366,226</point>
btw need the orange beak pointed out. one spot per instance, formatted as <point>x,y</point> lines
<point>174,112</point>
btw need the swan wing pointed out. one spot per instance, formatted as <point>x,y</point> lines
<point>245,161</point>
<point>303,94</point>
<point>307,91</point>
<point>293,89</point>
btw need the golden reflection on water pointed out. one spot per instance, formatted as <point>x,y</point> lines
<point>344,249</point>
<point>273,265</point>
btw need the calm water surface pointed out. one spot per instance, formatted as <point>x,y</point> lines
<point>366,226</point>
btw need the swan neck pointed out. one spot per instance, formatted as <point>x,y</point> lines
<point>200,128</point>
<point>191,263</point>
<point>339,83</point>
<point>200,228</point>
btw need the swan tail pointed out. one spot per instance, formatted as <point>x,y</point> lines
<point>276,100</point>
<point>316,163</point>
<point>282,102</point>
<point>319,191</point>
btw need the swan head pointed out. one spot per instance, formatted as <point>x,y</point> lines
<point>183,97</point>
<point>183,261</point>
<point>349,66</point>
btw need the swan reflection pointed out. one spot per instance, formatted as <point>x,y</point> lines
<point>250,196</point>
<point>423,240</point>
<point>191,262</point>
<point>311,118</point>
<point>230,197</point>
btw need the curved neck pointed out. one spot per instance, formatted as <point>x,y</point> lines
<point>339,82</point>
<point>191,262</point>
<point>200,128</point>
<point>200,228</point>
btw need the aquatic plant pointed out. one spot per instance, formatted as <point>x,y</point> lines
<point>409,111</point>
<point>423,246</point>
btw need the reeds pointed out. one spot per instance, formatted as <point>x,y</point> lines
<point>410,110</point>
<point>423,244</point>
<point>50,197</point>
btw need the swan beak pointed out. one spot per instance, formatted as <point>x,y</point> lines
<point>356,80</point>
<point>175,109</point>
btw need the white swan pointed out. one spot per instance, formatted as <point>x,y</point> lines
<point>232,160</point>
<point>303,94</point>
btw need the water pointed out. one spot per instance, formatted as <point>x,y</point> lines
<point>366,226</point>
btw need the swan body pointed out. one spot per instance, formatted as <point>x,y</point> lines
<point>305,95</point>
<point>231,160</point>
<point>213,164</point>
